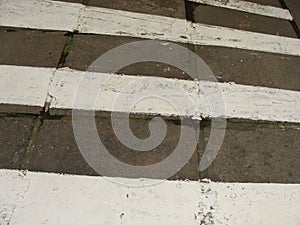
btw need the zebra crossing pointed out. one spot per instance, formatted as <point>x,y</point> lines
<point>254,112</point>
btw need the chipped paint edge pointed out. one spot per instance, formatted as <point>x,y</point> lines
<point>249,7</point>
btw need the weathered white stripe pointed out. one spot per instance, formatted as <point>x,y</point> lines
<point>258,103</point>
<point>121,23</point>
<point>40,198</point>
<point>120,93</point>
<point>241,101</point>
<point>24,85</point>
<point>220,36</point>
<point>53,15</point>
<point>249,7</point>
<point>40,14</point>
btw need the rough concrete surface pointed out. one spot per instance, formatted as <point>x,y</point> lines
<point>170,8</point>
<point>257,153</point>
<point>55,149</point>
<point>85,49</point>
<point>31,48</point>
<point>251,67</point>
<point>15,134</point>
<point>243,21</point>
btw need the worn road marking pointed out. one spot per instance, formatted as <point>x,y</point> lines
<point>24,85</point>
<point>30,85</point>
<point>41,198</point>
<point>40,14</point>
<point>53,15</point>
<point>249,7</point>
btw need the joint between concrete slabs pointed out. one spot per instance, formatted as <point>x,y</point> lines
<point>30,148</point>
<point>66,50</point>
<point>201,149</point>
<point>189,10</point>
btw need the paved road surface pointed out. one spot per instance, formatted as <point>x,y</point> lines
<point>46,46</point>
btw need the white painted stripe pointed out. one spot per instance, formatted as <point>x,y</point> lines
<point>220,36</point>
<point>24,85</point>
<point>241,101</point>
<point>40,14</point>
<point>121,23</point>
<point>40,198</point>
<point>53,15</point>
<point>249,7</point>
<point>29,86</point>
<point>128,89</point>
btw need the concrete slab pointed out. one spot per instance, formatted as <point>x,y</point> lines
<point>251,67</point>
<point>254,152</point>
<point>243,21</point>
<point>55,149</point>
<point>170,8</point>
<point>13,109</point>
<point>140,129</point>
<point>15,134</point>
<point>228,64</point>
<point>31,48</point>
<point>86,49</point>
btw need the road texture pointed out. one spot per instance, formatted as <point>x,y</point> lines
<point>41,139</point>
